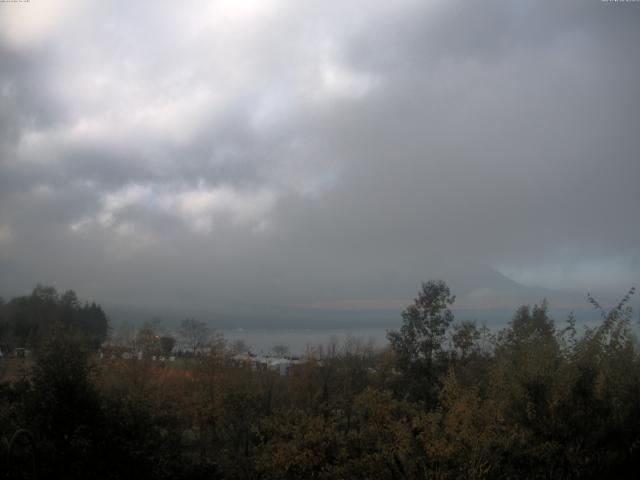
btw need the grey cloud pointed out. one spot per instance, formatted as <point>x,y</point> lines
<point>432,139</point>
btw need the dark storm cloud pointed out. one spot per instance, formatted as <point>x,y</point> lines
<point>304,154</point>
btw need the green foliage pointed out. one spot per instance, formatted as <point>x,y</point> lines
<point>29,321</point>
<point>64,405</point>
<point>465,339</point>
<point>419,343</point>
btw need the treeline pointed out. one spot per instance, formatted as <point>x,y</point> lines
<point>445,400</point>
<point>28,321</point>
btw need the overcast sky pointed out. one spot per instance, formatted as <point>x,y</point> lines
<point>311,153</point>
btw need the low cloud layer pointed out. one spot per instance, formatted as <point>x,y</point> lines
<point>317,153</point>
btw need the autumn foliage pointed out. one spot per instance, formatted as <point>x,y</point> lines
<point>446,400</point>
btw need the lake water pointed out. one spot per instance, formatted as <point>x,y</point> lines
<point>299,340</point>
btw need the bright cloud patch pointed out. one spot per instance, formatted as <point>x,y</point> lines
<point>339,80</point>
<point>201,208</point>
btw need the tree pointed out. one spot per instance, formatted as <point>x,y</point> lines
<point>463,434</point>
<point>93,324</point>
<point>239,346</point>
<point>70,299</point>
<point>531,324</point>
<point>418,344</point>
<point>32,319</point>
<point>465,337</point>
<point>280,350</point>
<point>64,405</point>
<point>147,341</point>
<point>195,334</point>
<point>124,335</point>
<point>167,343</point>
<point>375,440</point>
